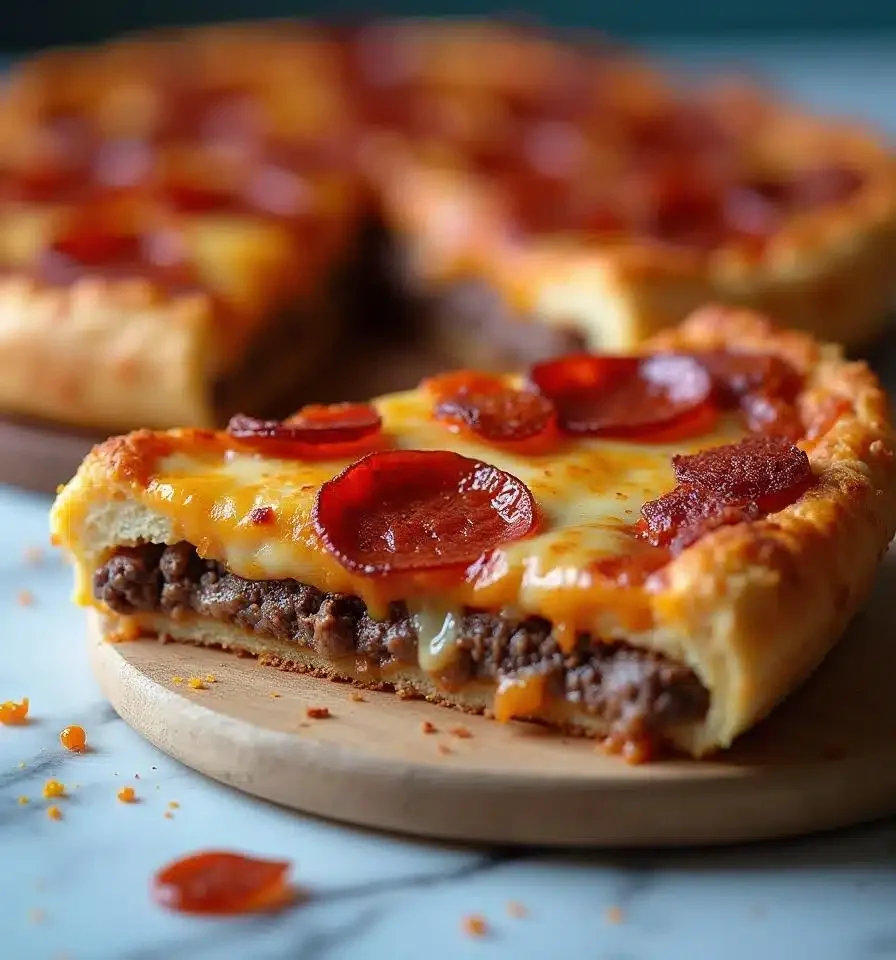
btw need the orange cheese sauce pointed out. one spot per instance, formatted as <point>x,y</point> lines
<point>589,493</point>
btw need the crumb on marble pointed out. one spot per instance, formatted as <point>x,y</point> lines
<point>13,714</point>
<point>53,788</point>
<point>127,795</point>
<point>173,804</point>
<point>428,727</point>
<point>196,683</point>
<point>73,738</point>
<point>21,764</point>
<point>54,813</point>
<point>474,925</point>
<point>318,713</point>
<point>168,815</point>
<point>461,732</point>
<point>25,598</point>
<point>357,696</point>
<point>23,800</point>
<point>614,915</point>
<point>516,909</point>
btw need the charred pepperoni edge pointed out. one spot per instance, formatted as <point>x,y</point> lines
<point>363,489</point>
<point>577,382</point>
<point>726,485</point>
<point>489,407</point>
<point>311,426</point>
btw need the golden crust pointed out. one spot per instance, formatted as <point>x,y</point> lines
<point>752,608</point>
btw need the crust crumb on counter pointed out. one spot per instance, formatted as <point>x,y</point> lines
<point>474,925</point>
<point>73,738</point>
<point>127,795</point>
<point>614,915</point>
<point>211,678</point>
<point>196,683</point>
<point>53,788</point>
<point>173,804</point>
<point>516,909</point>
<point>357,696</point>
<point>12,713</point>
<point>24,800</point>
<point>25,598</point>
<point>318,713</point>
<point>274,695</point>
<point>428,727</point>
<point>461,732</point>
<point>54,813</point>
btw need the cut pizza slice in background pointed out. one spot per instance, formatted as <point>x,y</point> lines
<point>654,547</point>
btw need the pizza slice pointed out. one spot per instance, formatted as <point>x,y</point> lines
<point>654,548</point>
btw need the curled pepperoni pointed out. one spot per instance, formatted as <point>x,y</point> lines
<point>413,510</point>
<point>725,485</point>
<point>757,468</point>
<point>489,407</point>
<point>625,397</point>
<point>313,425</point>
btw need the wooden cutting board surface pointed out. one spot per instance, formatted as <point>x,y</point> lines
<point>826,758</point>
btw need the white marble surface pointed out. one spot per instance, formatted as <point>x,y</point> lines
<point>78,887</point>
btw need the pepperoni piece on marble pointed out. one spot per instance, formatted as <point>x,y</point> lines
<point>399,511</point>
<point>489,407</point>
<point>222,883</point>
<point>627,397</point>
<point>319,424</point>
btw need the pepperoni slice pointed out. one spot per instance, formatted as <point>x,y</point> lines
<point>489,407</point>
<point>412,510</point>
<point>758,468</point>
<point>682,516</point>
<point>626,397</point>
<point>313,425</point>
<point>737,374</point>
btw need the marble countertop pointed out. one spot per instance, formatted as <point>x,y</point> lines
<point>79,887</point>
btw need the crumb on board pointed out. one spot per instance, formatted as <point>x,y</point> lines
<point>357,696</point>
<point>12,713</point>
<point>23,800</point>
<point>21,764</point>
<point>32,556</point>
<point>474,925</point>
<point>177,679</point>
<point>73,738</point>
<point>428,727</point>
<point>25,598</point>
<point>274,695</point>
<point>54,813</point>
<point>211,678</point>
<point>614,915</point>
<point>516,909</point>
<point>196,683</point>
<point>173,804</point>
<point>444,749</point>
<point>53,788</point>
<point>168,815</point>
<point>461,732</point>
<point>317,713</point>
<point>126,795</point>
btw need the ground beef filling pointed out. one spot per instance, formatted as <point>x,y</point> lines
<point>631,688</point>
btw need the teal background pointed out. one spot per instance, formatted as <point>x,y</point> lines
<point>24,24</point>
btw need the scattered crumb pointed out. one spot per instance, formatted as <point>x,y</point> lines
<point>12,713</point>
<point>196,683</point>
<point>73,738</point>
<point>169,815</point>
<point>211,678</point>
<point>153,767</point>
<point>275,695</point>
<point>54,813</point>
<point>177,679</point>
<point>461,732</point>
<point>173,804</point>
<point>25,598</point>
<point>444,749</point>
<point>24,800</point>
<point>357,697</point>
<point>474,925</point>
<point>53,788</point>
<point>126,795</point>
<point>614,915</point>
<point>304,723</point>
<point>428,727</point>
<point>21,764</point>
<point>36,916</point>
<point>516,909</point>
<point>33,556</point>
<point>318,713</point>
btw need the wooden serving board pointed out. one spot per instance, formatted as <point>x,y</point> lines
<point>826,758</point>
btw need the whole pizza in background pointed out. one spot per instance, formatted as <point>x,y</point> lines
<point>222,220</point>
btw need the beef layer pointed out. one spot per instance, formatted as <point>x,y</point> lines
<point>633,689</point>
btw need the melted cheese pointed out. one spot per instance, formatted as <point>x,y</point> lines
<point>589,494</point>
